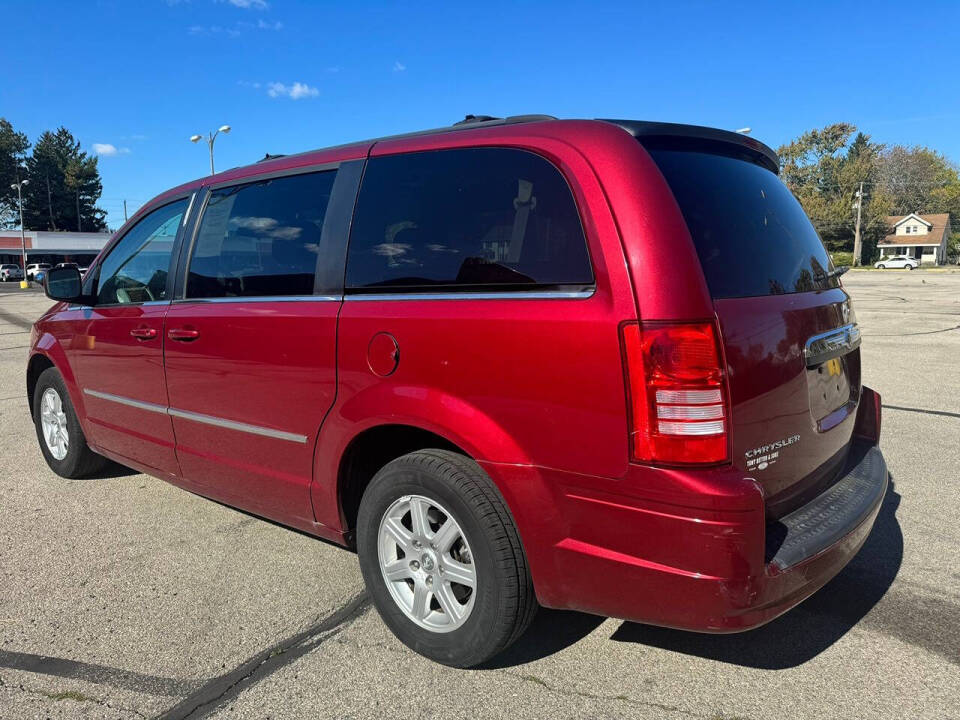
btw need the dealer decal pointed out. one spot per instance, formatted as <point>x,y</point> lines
<point>760,458</point>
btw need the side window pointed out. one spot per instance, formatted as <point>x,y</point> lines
<point>260,239</point>
<point>136,269</point>
<point>460,220</point>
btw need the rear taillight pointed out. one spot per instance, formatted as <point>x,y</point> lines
<point>677,394</point>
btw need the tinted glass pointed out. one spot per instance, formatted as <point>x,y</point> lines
<point>136,269</point>
<point>465,219</point>
<point>260,239</point>
<point>751,234</point>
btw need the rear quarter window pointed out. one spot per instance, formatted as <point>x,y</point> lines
<point>751,234</point>
<point>460,220</point>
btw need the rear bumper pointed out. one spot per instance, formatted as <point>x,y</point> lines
<point>635,548</point>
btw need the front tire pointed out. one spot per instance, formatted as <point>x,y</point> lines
<point>61,438</point>
<point>442,559</point>
<point>909,267</point>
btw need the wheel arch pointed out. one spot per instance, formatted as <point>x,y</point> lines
<point>46,353</point>
<point>35,366</point>
<point>371,449</point>
<point>419,418</point>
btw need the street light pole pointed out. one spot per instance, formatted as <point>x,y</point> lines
<point>211,137</point>
<point>23,237</point>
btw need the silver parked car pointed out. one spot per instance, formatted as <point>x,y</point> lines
<point>902,262</point>
<point>9,271</point>
<point>33,268</point>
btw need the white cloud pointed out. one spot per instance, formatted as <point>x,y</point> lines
<point>248,4</point>
<point>234,30</point>
<point>295,91</point>
<point>109,150</point>
<point>398,66</point>
<point>261,25</point>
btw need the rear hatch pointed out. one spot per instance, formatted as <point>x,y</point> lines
<point>788,331</point>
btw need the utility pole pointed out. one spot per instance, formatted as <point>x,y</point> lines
<point>23,238</point>
<point>857,244</point>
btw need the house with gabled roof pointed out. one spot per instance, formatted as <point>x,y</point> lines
<point>922,237</point>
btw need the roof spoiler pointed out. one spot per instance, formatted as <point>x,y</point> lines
<point>660,134</point>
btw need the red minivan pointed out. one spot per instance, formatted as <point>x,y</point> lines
<point>599,365</point>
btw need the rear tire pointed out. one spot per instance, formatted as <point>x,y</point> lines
<point>425,607</point>
<point>61,438</point>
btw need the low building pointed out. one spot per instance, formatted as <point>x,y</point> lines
<point>922,237</point>
<point>51,247</point>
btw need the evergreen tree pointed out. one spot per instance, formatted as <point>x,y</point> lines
<point>13,151</point>
<point>824,169</point>
<point>64,186</point>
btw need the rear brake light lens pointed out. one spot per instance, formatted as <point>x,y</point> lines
<point>677,393</point>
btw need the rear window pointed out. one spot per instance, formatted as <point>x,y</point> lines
<point>752,236</point>
<point>459,220</point>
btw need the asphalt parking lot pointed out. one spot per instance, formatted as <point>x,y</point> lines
<point>125,597</point>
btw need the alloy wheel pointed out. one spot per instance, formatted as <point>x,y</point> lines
<point>426,563</point>
<point>53,421</point>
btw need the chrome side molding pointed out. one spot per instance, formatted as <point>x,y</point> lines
<point>199,417</point>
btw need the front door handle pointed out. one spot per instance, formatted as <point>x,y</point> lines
<point>183,334</point>
<point>144,333</point>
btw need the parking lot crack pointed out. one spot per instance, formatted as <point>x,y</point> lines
<point>266,662</point>
<point>72,696</point>
<point>663,707</point>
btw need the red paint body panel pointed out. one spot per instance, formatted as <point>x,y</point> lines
<point>272,365</point>
<point>764,339</point>
<point>533,389</point>
<point>104,357</point>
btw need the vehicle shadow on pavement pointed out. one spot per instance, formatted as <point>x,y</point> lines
<point>112,470</point>
<point>804,632</point>
<point>550,632</point>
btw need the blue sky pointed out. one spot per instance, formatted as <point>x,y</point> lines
<point>290,75</point>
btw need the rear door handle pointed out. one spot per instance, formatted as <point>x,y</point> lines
<point>144,333</point>
<point>183,334</point>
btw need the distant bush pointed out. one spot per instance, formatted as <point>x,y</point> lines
<point>841,258</point>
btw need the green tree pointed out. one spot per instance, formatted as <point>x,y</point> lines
<point>824,169</point>
<point>64,186</point>
<point>953,248</point>
<point>919,180</point>
<point>13,151</point>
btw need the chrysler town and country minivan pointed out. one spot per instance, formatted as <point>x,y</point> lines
<point>598,365</point>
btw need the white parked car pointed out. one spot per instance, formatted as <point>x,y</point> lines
<point>9,271</point>
<point>898,261</point>
<point>32,269</point>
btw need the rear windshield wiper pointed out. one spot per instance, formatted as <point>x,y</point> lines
<point>835,273</point>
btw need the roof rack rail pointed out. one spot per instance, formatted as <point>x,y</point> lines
<point>510,120</point>
<point>268,156</point>
<point>470,119</point>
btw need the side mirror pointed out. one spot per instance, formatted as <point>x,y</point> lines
<point>63,284</point>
